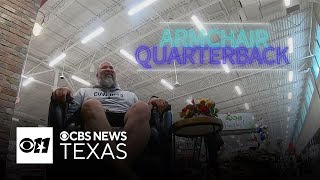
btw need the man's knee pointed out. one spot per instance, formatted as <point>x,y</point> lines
<point>91,104</point>
<point>142,109</point>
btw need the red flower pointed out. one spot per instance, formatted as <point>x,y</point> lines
<point>203,109</point>
<point>184,109</point>
<point>191,107</point>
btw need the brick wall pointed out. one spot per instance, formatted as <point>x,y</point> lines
<point>14,171</point>
<point>17,18</point>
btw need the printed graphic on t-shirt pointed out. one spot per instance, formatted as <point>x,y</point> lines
<point>108,95</point>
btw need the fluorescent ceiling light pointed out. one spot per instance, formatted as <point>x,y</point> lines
<point>189,100</point>
<point>58,59</point>
<point>289,109</point>
<point>15,119</point>
<point>290,78</point>
<point>165,83</point>
<point>92,35</point>
<point>37,28</point>
<point>290,45</point>
<point>199,25</point>
<point>290,95</point>
<point>238,90</point>
<point>140,6</point>
<point>92,68</point>
<point>129,56</point>
<point>287,3</point>
<point>246,105</point>
<point>80,80</point>
<point>27,81</point>
<point>226,68</point>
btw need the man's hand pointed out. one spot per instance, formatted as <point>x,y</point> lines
<point>62,95</point>
<point>160,103</point>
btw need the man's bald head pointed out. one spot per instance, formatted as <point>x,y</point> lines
<point>106,76</point>
<point>104,63</point>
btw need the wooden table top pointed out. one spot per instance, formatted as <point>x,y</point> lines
<point>197,126</point>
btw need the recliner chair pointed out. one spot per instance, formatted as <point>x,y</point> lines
<point>155,159</point>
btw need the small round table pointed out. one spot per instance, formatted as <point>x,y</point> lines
<point>196,127</point>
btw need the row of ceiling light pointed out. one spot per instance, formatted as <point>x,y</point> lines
<point>246,105</point>
<point>38,28</point>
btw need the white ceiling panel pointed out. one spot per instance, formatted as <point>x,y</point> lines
<point>44,43</point>
<point>95,6</point>
<point>77,14</point>
<point>61,27</point>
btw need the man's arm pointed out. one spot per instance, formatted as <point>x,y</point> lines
<point>160,103</point>
<point>76,102</point>
<point>62,95</point>
<point>73,100</point>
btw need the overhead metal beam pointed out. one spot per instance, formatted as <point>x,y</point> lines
<point>229,81</point>
<point>149,34</point>
<point>42,72</point>
<point>260,98</point>
<point>153,78</point>
<point>45,65</point>
<point>43,83</point>
<point>86,25</point>
<point>70,85</point>
<point>77,71</point>
<point>155,30</point>
<point>264,105</point>
<point>69,2</point>
<point>56,79</point>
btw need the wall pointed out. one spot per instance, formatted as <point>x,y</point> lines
<point>15,171</point>
<point>316,10</point>
<point>312,122</point>
<point>17,18</point>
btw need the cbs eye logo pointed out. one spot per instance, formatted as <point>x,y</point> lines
<point>38,145</point>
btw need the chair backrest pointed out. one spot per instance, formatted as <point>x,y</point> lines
<point>161,122</point>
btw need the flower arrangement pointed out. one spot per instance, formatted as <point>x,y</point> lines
<point>204,107</point>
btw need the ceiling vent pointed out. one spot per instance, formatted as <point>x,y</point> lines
<point>293,9</point>
<point>242,14</point>
<point>250,10</point>
<point>272,8</point>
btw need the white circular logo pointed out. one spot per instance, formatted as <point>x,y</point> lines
<point>64,136</point>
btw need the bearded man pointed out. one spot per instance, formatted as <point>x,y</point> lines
<point>105,106</point>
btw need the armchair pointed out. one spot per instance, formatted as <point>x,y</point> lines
<point>155,159</point>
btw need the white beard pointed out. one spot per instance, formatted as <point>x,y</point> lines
<point>107,82</point>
